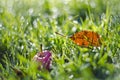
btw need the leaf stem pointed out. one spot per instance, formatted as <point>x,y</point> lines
<point>60,34</point>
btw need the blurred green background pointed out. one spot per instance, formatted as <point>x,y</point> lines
<point>25,24</point>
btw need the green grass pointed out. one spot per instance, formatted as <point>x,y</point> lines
<point>26,24</point>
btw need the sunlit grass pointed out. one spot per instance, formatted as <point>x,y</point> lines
<point>24,25</point>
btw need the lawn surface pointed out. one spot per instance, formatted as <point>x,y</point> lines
<point>25,24</point>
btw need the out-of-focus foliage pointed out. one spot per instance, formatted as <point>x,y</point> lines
<point>24,24</point>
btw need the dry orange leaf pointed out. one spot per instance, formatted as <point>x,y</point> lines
<point>86,38</point>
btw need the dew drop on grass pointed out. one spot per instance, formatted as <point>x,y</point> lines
<point>117,65</point>
<point>92,4</point>
<point>22,18</point>
<point>72,51</point>
<point>55,12</point>
<point>74,29</point>
<point>59,29</point>
<point>52,42</point>
<point>85,55</point>
<point>71,76</point>
<point>96,55</point>
<point>30,11</point>
<point>31,49</point>
<point>27,22</point>
<point>103,16</point>
<point>107,72</point>
<point>33,44</point>
<point>0,25</point>
<point>1,10</point>
<point>87,59</point>
<point>76,22</point>
<point>25,35</point>
<point>30,28</point>
<point>22,47</point>
<point>35,23</point>
<point>52,36</point>
<point>70,17</point>
<point>66,1</point>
